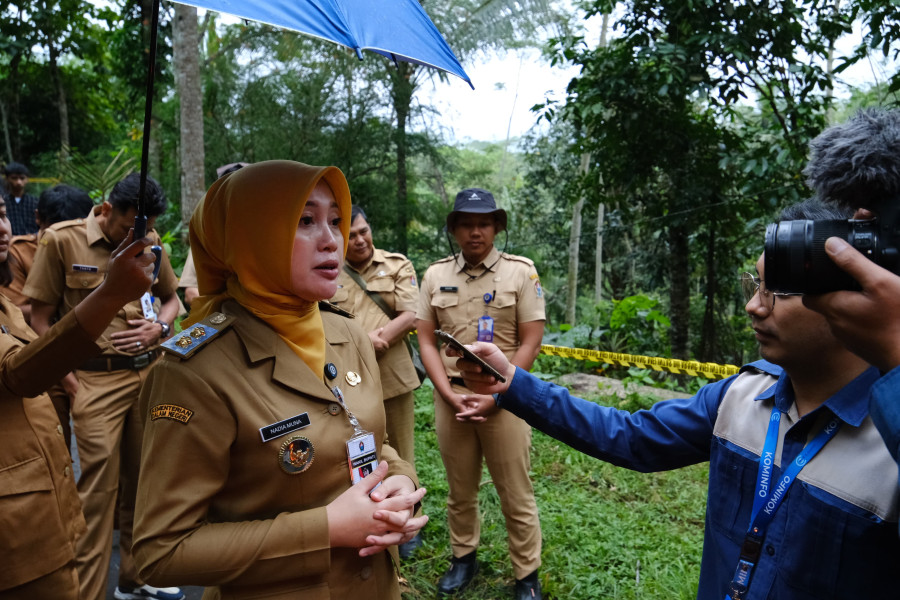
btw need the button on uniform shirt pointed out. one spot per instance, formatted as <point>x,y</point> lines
<point>454,301</point>
<point>72,259</point>
<point>393,277</point>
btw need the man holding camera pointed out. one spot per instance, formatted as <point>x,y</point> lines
<point>803,501</point>
<point>857,165</point>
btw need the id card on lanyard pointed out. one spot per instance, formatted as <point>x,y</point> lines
<point>362,457</point>
<point>486,323</point>
<point>768,496</point>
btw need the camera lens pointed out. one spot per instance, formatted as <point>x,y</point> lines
<point>796,260</point>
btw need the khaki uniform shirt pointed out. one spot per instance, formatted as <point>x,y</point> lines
<point>392,276</point>
<point>188,273</point>
<point>21,257</point>
<point>40,514</point>
<point>454,301</point>
<point>214,505</point>
<point>72,259</point>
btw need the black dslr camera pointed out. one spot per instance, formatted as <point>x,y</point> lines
<point>852,165</point>
<point>796,261</point>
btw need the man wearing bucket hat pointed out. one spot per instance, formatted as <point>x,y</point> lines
<point>483,294</point>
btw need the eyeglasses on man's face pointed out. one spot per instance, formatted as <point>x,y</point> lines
<point>751,285</point>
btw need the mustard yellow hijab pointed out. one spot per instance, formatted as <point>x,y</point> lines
<point>242,237</point>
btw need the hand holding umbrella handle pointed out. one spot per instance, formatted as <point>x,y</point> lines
<point>140,230</point>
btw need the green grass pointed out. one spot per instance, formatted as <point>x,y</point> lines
<point>608,533</point>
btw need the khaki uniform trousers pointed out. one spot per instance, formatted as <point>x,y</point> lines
<point>109,431</point>
<point>61,584</point>
<point>504,441</point>
<point>399,423</point>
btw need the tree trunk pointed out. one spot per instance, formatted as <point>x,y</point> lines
<point>190,93</point>
<point>402,88</point>
<point>15,129</point>
<point>601,207</point>
<point>598,261</point>
<point>574,244</point>
<point>61,103</point>
<point>709,343</point>
<point>679,289</point>
<point>5,122</point>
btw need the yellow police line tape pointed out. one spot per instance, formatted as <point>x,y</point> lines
<point>690,367</point>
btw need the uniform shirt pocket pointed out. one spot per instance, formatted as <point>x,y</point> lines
<point>505,299</point>
<point>27,506</point>
<point>831,542</point>
<point>78,280</point>
<point>732,480</point>
<point>382,285</point>
<point>27,476</point>
<point>444,300</point>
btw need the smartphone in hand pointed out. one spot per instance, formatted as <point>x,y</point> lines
<point>468,355</point>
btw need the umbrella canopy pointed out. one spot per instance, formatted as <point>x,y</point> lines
<point>398,29</point>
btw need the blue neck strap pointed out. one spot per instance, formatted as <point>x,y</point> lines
<point>769,495</point>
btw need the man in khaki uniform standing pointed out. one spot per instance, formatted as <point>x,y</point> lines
<point>483,294</point>
<point>391,278</point>
<point>71,261</point>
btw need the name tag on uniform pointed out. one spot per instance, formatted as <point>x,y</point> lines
<point>449,288</point>
<point>85,268</point>
<point>275,430</point>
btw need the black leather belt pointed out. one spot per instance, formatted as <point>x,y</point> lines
<point>458,381</point>
<point>120,363</point>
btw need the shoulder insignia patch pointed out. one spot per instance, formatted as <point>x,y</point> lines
<point>186,343</point>
<point>389,254</point>
<point>518,258</point>
<point>332,308</point>
<point>171,411</point>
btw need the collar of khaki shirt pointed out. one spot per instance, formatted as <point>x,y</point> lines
<point>94,233</point>
<point>376,258</point>
<point>489,262</point>
<point>262,342</point>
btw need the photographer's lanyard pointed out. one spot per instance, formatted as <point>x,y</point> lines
<point>766,500</point>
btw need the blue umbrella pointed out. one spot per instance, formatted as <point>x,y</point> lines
<point>397,29</point>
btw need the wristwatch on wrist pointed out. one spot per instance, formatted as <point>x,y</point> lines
<point>165,329</point>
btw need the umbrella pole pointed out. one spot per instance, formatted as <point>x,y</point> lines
<point>140,221</point>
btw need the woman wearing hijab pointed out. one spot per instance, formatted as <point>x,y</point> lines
<point>40,513</point>
<point>267,408</point>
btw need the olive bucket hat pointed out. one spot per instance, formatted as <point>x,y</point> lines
<point>477,201</point>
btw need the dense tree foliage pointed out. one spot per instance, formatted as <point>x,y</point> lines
<point>695,117</point>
